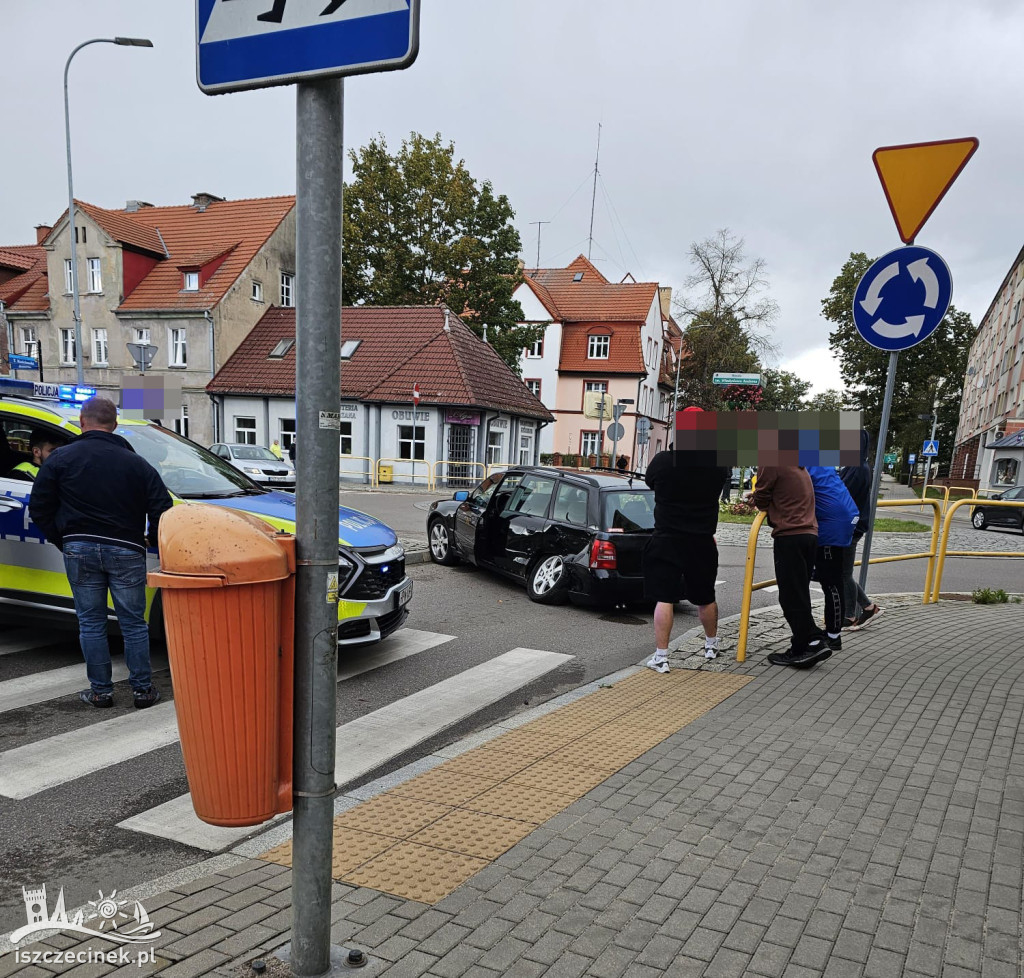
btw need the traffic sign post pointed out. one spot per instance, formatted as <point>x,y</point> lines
<point>242,44</point>
<point>904,295</point>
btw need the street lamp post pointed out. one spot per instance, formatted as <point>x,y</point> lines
<point>135,42</point>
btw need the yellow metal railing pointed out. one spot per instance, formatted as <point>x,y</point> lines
<point>943,552</point>
<point>371,467</point>
<point>470,475</point>
<point>971,493</point>
<point>418,469</point>
<point>497,467</point>
<point>748,573</point>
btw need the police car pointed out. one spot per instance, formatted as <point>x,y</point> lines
<point>373,588</point>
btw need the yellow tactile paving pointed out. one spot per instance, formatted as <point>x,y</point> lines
<point>441,785</point>
<point>416,872</point>
<point>426,837</point>
<point>474,834</point>
<point>392,815</point>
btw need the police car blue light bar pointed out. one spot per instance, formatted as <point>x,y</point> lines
<point>75,394</point>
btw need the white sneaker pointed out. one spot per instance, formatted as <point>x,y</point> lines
<point>710,652</point>
<point>658,663</point>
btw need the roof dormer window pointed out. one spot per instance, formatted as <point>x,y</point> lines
<point>597,346</point>
<point>191,282</point>
<point>578,277</point>
<point>348,347</point>
<point>282,348</point>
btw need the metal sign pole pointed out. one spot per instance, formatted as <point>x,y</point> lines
<point>600,429</point>
<point>319,158</point>
<point>876,475</point>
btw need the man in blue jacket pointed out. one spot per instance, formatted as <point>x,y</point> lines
<point>91,499</point>
<point>836,513</point>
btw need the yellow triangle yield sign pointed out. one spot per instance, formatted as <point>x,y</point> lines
<point>916,176</point>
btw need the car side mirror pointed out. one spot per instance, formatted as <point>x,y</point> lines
<point>461,496</point>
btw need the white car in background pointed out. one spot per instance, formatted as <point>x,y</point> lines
<point>258,463</point>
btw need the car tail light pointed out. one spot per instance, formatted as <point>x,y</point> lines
<point>602,555</point>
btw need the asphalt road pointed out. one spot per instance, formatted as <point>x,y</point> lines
<point>68,835</point>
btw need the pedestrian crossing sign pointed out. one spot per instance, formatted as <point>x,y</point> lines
<point>930,450</point>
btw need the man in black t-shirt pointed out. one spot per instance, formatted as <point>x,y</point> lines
<point>681,558</point>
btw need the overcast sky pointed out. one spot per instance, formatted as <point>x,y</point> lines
<point>752,115</point>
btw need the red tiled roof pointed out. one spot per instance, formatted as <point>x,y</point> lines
<point>25,292</point>
<point>121,227</point>
<point>593,298</point>
<point>625,354</point>
<point>401,346</point>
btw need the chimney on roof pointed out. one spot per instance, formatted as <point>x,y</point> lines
<point>665,294</point>
<point>42,230</point>
<point>203,200</point>
<point>133,205</point>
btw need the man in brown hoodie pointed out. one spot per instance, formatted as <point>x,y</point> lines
<point>786,493</point>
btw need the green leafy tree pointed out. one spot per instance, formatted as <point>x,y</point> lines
<point>782,390</point>
<point>419,230</point>
<point>830,400</point>
<point>935,367</point>
<point>711,346</point>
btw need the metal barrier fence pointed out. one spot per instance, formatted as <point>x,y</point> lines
<point>458,479</point>
<point>944,552</point>
<point>370,472</point>
<point>418,469</point>
<point>971,493</point>
<point>497,467</point>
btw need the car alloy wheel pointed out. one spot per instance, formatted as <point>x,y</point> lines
<point>978,519</point>
<point>440,544</point>
<point>545,585</point>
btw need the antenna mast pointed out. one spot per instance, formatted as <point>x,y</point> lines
<point>538,223</point>
<point>593,196</point>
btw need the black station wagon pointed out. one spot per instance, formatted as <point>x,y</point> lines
<point>566,535</point>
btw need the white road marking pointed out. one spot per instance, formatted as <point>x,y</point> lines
<point>401,645</point>
<point>372,740</point>
<point>35,767</point>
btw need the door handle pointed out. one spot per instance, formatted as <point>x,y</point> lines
<point>10,505</point>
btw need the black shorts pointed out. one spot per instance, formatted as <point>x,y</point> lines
<point>680,565</point>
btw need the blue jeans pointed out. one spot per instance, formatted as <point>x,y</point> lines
<point>93,569</point>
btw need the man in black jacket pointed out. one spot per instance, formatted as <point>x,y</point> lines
<point>857,479</point>
<point>681,558</point>
<point>91,499</point>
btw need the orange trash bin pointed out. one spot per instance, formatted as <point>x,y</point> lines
<point>227,581</point>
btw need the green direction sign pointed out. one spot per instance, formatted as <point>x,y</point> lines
<point>890,459</point>
<point>744,380</point>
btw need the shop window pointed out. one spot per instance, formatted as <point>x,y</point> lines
<point>1006,472</point>
<point>412,442</point>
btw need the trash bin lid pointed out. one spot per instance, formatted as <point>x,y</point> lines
<point>198,540</point>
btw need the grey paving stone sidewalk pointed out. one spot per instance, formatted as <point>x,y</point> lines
<point>863,818</point>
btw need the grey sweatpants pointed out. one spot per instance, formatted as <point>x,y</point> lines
<point>854,598</point>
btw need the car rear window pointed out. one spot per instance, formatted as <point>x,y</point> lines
<point>627,510</point>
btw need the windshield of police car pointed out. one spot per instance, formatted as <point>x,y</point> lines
<point>188,471</point>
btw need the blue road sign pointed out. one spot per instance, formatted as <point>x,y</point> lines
<point>19,362</point>
<point>912,459</point>
<point>902,298</point>
<point>255,43</point>
<point>930,450</point>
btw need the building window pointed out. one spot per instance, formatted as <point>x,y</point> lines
<point>596,385</point>
<point>1005,472</point>
<point>69,281</point>
<point>533,385</point>
<point>82,238</point>
<point>412,442</point>
<point>245,431</point>
<point>191,282</point>
<point>597,347</point>
<point>536,351</point>
<point>495,444</point>
<point>345,447</point>
<point>281,349</point>
<point>590,443</point>
<point>287,433</point>
<point>257,291</point>
<point>29,342</point>
<point>181,422</point>
<point>348,348</point>
<point>99,347</point>
<point>142,335</point>
<point>526,448</point>
<point>95,274</point>
<point>67,346</point>
<point>179,348</point>
<point>287,289</point>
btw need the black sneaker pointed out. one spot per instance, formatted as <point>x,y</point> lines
<point>147,697</point>
<point>835,644</point>
<point>801,658</point>
<point>102,701</point>
<point>867,617</point>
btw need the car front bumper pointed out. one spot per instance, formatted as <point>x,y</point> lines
<point>379,618</point>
